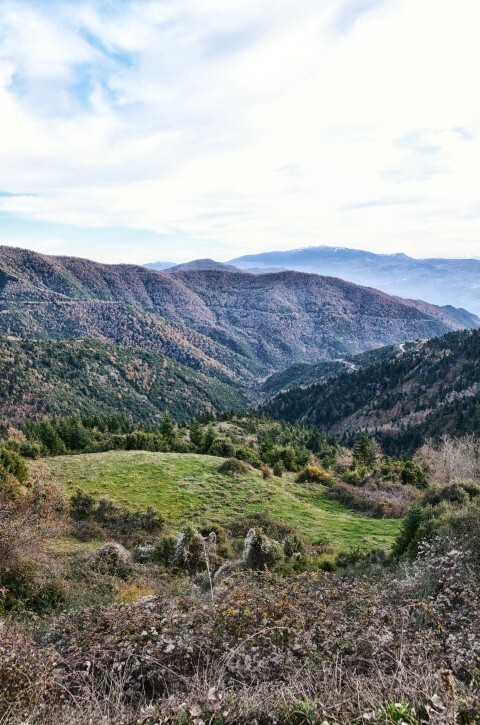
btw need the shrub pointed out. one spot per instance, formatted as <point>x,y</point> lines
<point>356,475</point>
<point>327,562</point>
<point>25,588</point>
<point>129,526</point>
<point>111,559</point>
<point>314,474</point>
<point>234,466</point>
<point>192,550</point>
<point>391,502</point>
<point>266,472</point>
<point>164,551</point>
<point>260,552</point>
<point>439,507</point>
<point>278,469</point>
<point>406,472</point>
<point>292,545</point>
<point>249,455</point>
<point>223,549</point>
<point>81,506</point>
<point>222,447</point>
<point>142,554</point>
<point>12,463</point>
<point>87,530</point>
<point>277,529</point>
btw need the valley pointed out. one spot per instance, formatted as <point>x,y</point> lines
<point>259,466</point>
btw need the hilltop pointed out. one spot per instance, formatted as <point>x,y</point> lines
<point>203,264</point>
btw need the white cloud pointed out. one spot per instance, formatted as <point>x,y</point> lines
<point>243,126</point>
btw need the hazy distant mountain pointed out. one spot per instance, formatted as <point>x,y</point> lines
<point>439,281</point>
<point>159,265</point>
<point>203,264</point>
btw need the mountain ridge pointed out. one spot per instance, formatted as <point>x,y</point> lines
<point>441,281</point>
<point>233,326</point>
<point>430,389</point>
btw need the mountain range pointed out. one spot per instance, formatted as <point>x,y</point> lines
<point>440,281</point>
<point>218,332</point>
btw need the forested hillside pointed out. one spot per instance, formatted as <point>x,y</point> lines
<point>87,377</point>
<point>306,374</point>
<point>430,390</point>
<point>249,324</point>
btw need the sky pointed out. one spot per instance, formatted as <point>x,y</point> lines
<point>145,130</point>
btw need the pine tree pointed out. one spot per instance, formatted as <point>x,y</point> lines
<point>196,434</point>
<point>365,450</point>
<point>209,440</point>
<point>167,429</point>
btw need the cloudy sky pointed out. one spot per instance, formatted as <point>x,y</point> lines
<point>172,129</point>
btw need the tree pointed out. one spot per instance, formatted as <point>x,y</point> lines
<point>209,440</point>
<point>167,429</point>
<point>50,438</point>
<point>196,434</point>
<point>365,450</point>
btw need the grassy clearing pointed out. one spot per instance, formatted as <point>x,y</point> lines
<point>188,487</point>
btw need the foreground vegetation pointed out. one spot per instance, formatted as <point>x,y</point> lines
<point>185,587</point>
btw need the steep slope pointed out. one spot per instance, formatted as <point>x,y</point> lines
<point>303,374</point>
<point>248,324</point>
<point>440,281</point>
<point>86,377</point>
<point>431,389</point>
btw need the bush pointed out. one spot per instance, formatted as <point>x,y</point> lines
<point>277,529</point>
<point>249,455</point>
<point>314,474</point>
<point>406,472</point>
<point>192,550</point>
<point>234,466</point>
<point>12,463</point>
<point>439,507</point>
<point>111,559</point>
<point>128,526</point>
<point>266,472</point>
<point>292,545</point>
<point>278,469</point>
<point>391,502</point>
<point>222,447</point>
<point>24,588</point>
<point>222,544</point>
<point>164,551</point>
<point>81,506</point>
<point>260,552</point>
<point>356,475</point>
<point>87,530</point>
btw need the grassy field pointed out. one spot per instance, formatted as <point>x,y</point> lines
<point>188,488</point>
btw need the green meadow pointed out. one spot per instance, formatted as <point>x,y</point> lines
<point>189,488</point>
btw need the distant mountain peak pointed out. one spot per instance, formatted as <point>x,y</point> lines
<point>439,281</point>
<point>204,265</point>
